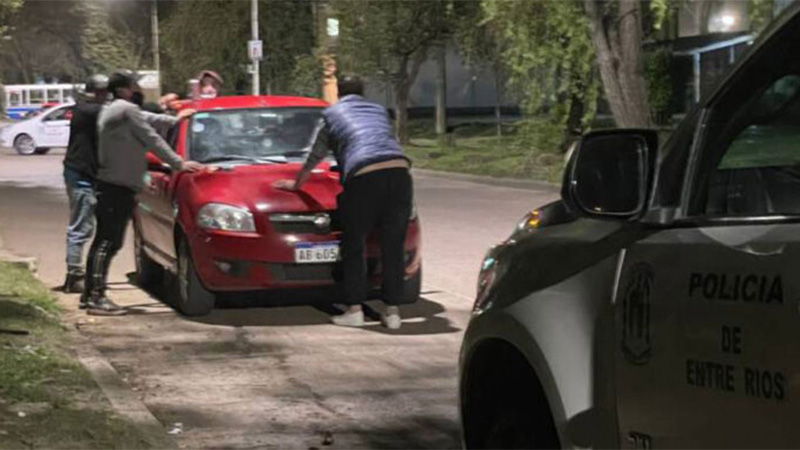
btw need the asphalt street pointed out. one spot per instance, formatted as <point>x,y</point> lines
<point>261,375</point>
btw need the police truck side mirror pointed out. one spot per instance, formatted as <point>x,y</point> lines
<point>609,173</point>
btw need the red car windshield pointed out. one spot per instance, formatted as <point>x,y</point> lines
<point>254,135</point>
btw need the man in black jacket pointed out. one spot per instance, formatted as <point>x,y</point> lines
<point>80,170</point>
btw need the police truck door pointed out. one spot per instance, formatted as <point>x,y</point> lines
<point>708,311</point>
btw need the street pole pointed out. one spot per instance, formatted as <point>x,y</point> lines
<point>156,56</point>
<point>254,23</point>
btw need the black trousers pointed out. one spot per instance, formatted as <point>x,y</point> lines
<point>377,201</point>
<point>113,212</point>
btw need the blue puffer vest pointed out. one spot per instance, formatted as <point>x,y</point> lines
<point>360,134</point>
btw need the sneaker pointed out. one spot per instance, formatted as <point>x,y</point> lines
<point>105,307</point>
<point>349,319</point>
<point>391,321</point>
<point>84,303</point>
<point>73,284</point>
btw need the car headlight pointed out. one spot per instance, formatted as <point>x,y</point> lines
<point>217,216</point>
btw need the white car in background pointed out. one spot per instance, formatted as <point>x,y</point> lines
<point>39,134</point>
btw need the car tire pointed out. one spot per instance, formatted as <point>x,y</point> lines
<point>510,429</point>
<point>148,272</point>
<point>42,151</point>
<point>412,287</point>
<point>24,145</point>
<point>193,298</point>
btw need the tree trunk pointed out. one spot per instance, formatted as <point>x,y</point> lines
<point>401,93</point>
<point>618,45</point>
<point>2,101</point>
<point>404,80</point>
<point>441,92</point>
<point>23,62</point>
<point>498,99</point>
<point>574,126</point>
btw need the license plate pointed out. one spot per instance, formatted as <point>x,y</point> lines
<point>316,252</point>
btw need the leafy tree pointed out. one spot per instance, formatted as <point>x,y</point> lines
<point>64,40</point>
<point>616,30</point>
<point>7,9</point>
<point>545,50</point>
<point>389,40</point>
<point>213,35</point>
<point>761,13</point>
<point>480,43</point>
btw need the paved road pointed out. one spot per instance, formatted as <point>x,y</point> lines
<point>281,376</point>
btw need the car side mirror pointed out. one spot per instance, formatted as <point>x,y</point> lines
<point>609,174</point>
<point>156,165</point>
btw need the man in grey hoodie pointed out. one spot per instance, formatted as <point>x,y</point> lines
<point>126,134</point>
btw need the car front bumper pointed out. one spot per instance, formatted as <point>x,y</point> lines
<point>231,262</point>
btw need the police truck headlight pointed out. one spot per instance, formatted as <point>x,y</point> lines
<point>487,279</point>
<point>217,216</point>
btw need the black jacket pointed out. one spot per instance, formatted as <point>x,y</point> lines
<point>82,149</point>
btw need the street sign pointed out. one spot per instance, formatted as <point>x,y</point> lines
<point>255,50</point>
<point>149,79</point>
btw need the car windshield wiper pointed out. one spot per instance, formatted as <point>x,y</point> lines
<point>229,158</point>
<point>296,153</point>
<point>252,159</point>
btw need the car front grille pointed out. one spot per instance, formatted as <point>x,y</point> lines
<point>319,223</point>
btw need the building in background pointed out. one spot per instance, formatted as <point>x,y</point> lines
<point>471,90</point>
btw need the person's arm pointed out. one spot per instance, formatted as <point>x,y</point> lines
<point>148,136</point>
<point>319,150</point>
<point>164,122</point>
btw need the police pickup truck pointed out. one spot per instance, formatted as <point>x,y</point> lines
<point>658,303</point>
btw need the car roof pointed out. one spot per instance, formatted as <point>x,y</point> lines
<point>252,101</point>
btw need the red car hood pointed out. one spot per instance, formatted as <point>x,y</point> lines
<point>251,186</point>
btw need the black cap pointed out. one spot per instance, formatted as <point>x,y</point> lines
<point>122,79</point>
<point>97,82</point>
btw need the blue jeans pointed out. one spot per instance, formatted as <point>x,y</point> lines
<point>82,203</point>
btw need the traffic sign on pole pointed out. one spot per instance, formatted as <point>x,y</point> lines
<point>255,50</point>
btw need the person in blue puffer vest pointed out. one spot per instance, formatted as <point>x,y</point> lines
<point>377,192</point>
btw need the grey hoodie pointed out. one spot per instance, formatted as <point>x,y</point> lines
<point>126,134</point>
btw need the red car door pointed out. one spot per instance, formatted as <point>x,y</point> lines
<point>156,204</point>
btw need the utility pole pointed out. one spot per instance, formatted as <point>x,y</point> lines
<point>156,56</point>
<point>254,23</point>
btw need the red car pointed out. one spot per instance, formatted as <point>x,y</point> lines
<point>229,230</point>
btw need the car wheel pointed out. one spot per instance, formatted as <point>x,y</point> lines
<point>42,151</point>
<point>148,272</point>
<point>511,428</point>
<point>24,145</point>
<point>193,298</point>
<point>412,287</point>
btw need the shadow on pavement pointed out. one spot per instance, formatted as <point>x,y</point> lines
<point>301,307</point>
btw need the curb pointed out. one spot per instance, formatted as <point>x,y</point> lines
<point>26,262</point>
<point>125,403</point>
<point>530,185</point>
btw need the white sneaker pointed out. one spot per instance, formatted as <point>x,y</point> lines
<point>391,321</point>
<point>349,319</point>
